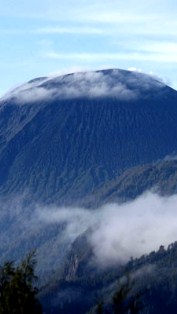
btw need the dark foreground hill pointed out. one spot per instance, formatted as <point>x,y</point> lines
<point>144,285</point>
<point>61,138</point>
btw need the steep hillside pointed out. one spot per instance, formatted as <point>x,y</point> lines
<point>144,285</point>
<point>62,137</point>
<point>159,177</point>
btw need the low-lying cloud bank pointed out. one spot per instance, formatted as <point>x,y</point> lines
<point>119,232</point>
<point>122,85</point>
<point>116,232</point>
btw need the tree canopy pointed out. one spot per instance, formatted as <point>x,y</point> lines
<point>18,290</point>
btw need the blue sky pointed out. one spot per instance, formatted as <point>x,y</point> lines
<point>46,37</point>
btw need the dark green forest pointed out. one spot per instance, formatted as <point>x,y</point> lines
<point>144,285</point>
<point>18,290</point>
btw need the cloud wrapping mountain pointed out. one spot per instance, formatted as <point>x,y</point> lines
<point>61,140</point>
<point>85,85</point>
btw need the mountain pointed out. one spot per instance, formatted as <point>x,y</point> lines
<point>68,145</point>
<point>63,137</point>
<point>143,285</point>
<point>159,177</point>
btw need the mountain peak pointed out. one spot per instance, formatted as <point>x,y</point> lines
<point>113,83</point>
<point>78,130</point>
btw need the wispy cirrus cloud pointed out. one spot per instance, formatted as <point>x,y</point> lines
<point>154,56</point>
<point>71,30</point>
<point>120,33</point>
<point>108,12</point>
<point>82,56</point>
<point>57,30</point>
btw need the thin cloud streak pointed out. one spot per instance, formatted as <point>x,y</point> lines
<point>167,57</point>
<point>91,11</point>
<point>71,30</point>
<point>121,30</point>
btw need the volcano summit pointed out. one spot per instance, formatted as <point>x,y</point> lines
<point>63,137</point>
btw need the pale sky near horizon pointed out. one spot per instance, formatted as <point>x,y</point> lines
<point>46,37</point>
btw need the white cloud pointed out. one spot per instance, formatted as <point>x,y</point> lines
<point>127,13</point>
<point>71,30</point>
<point>90,57</point>
<point>160,47</point>
<point>27,92</point>
<point>69,70</point>
<point>119,232</point>
<point>134,69</point>
<point>83,84</point>
<point>132,24</point>
<point>158,55</point>
<point>91,84</point>
<point>115,232</point>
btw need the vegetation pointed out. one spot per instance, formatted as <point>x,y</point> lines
<point>17,287</point>
<point>145,285</point>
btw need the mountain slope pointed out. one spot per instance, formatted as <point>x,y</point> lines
<point>159,177</point>
<point>149,281</point>
<point>63,137</point>
<point>81,139</point>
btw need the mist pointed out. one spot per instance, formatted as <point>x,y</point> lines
<point>119,232</point>
<point>115,232</point>
<point>85,85</point>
